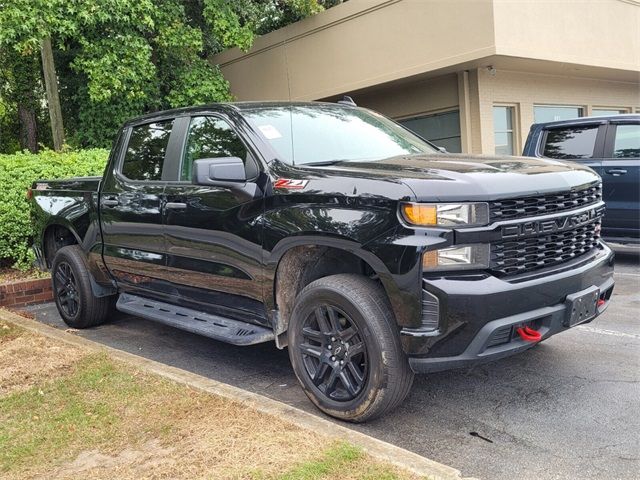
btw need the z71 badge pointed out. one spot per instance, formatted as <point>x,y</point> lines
<point>287,183</point>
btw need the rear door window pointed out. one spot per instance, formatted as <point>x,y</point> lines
<point>627,142</point>
<point>145,153</point>
<point>571,142</point>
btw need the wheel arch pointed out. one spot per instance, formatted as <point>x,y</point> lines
<point>298,261</point>
<point>61,233</point>
<point>57,234</point>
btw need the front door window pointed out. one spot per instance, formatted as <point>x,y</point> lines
<point>210,137</point>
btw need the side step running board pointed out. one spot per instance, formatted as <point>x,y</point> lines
<point>212,326</point>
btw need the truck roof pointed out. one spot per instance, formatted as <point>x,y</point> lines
<point>225,107</point>
<point>590,120</point>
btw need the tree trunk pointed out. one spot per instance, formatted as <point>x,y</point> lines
<point>51,84</point>
<point>28,128</point>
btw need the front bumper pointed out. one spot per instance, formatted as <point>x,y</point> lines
<point>480,313</point>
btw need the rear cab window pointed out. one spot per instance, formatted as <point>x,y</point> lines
<point>575,142</point>
<point>145,152</point>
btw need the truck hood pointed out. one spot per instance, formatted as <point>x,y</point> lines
<point>462,177</point>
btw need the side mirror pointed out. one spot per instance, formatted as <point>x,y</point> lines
<point>219,171</point>
<point>442,150</point>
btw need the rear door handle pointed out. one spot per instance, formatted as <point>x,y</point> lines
<point>616,172</point>
<point>110,202</point>
<point>175,205</point>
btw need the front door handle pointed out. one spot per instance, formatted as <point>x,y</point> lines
<point>616,172</point>
<point>175,205</point>
<point>110,202</point>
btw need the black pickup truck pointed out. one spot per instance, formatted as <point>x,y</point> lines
<point>334,231</point>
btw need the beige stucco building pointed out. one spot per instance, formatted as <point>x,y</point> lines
<point>471,75</point>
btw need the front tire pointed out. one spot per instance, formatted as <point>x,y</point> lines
<point>77,305</point>
<point>345,349</point>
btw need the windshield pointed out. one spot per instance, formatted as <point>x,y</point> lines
<point>327,133</point>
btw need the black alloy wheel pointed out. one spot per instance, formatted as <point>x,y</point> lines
<point>66,289</point>
<point>334,353</point>
<point>345,349</point>
<point>72,290</point>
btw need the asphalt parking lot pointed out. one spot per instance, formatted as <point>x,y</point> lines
<point>566,409</point>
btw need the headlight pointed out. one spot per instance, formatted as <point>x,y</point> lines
<point>465,257</point>
<point>445,214</point>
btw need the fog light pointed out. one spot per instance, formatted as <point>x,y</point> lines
<point>464,257</point>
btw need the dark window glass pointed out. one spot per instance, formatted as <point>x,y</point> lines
<point>627,143</point>
<point>145,152</point>
<point>574,142</point>
<point>443,129</point>
<point>210,137</point>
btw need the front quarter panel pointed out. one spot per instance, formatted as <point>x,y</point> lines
<point>335,212</point>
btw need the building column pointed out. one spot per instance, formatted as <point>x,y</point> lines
<point>526,120</point>
<point>475,116</point>
<point>464,103</point>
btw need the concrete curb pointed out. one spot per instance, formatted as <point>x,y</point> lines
<point>374,447</point>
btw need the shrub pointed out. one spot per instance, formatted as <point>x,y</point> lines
<point>17,173</point>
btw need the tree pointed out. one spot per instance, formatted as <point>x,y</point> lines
<point>53,100</point>
<point>20,94</point>
<point>118,58</point>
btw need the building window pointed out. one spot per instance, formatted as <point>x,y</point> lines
<point>606,112</point>
<point>552,113</point>
<point>443,129</point>
<point>503,130</point>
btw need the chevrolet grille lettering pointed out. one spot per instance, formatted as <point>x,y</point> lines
<point>548,226</point>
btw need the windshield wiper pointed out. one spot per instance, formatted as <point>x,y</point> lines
<point>319,164</point>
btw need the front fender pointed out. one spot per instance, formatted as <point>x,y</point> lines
<point>365,233</point>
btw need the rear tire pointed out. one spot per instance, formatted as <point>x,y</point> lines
<point>77,305</point>
<point>345,349</point>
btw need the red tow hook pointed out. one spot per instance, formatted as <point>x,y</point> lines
<point>529,334</point>
<point>601,302</point>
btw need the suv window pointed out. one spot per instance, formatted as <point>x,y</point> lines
<point>210,137</point>
<point>627,144</point>
<point>572,142</point>
<point>145,153</point>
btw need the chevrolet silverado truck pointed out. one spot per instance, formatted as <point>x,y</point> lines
<point>333,231</point>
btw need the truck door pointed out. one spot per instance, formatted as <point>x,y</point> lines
<point>213,233</point>
<point>130,207</point>
<point>621,179</point>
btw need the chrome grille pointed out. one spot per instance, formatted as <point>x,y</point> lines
<point>524,207</point>
<point>512,257</point>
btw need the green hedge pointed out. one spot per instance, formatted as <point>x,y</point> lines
<point>17,173</point>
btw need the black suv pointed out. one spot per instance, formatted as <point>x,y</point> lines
<point>333,231</point>
<point>609,145</point>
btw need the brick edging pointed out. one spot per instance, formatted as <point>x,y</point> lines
<point>23,293</point>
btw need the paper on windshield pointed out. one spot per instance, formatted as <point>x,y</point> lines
<point>270,132</point>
